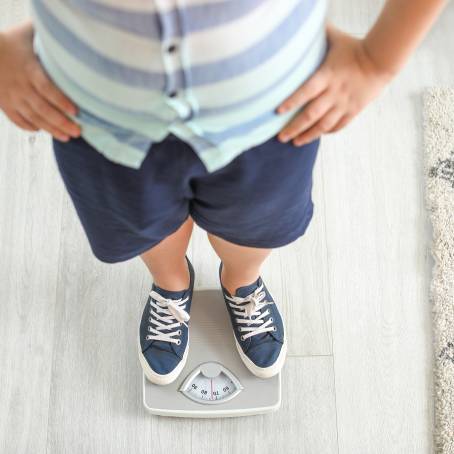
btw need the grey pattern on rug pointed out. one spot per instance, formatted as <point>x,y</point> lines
<point>439,172</point>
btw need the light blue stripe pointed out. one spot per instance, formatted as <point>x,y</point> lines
<point>121,153</point>
<point>123,135</point>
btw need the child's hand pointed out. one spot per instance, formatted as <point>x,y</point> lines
<point>342,86</point>
<point>27,95</point>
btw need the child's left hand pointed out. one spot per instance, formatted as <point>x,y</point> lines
<point>341,87</point>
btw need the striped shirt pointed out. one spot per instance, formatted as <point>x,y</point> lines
<point>211,72</point>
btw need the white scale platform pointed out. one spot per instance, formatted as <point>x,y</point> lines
<point>214,382</point>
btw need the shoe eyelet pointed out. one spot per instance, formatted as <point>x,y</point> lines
<point>274,328</point>
<point>179,332</point>
<point>179,342</point>
<point>149,328</point>
<point>271,319</point>
<point>240,329</point>
<point>150,319</point>
<point>147,337</point>
<point>242,338</point>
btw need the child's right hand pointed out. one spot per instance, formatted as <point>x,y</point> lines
<point>28,96</point>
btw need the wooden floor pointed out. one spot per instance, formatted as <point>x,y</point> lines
<point>353,291</point>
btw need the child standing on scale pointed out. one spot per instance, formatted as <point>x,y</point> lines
<point>165,113</point>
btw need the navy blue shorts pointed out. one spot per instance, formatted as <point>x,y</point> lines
<point>262,198</point>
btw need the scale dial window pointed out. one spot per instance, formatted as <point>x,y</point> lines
<point>211,383</point>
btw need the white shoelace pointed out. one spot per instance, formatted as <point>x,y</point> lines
<point>253,308</point>
<point>173,309</point>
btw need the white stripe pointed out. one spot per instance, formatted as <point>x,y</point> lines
<point>234,37</point>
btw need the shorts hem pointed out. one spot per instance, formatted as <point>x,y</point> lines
<point>290,238</point>
<point>124,257</point>
<point>130,255</point>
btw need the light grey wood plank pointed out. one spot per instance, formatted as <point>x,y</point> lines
<point>298,276</point>
<point>378,240</point>
<point>354,16</point>
<point>366,251</point>
<point>378,270</point>
<point>96,399</point>
<point>30,235</point>
<point>30,215</point>
<point>13,11</point>
<point>305,423</point>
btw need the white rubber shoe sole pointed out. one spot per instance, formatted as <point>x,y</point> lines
<point>159,379</point>
<point>264,372</point>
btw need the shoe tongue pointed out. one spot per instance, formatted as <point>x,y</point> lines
<point>167,346</point>
<point>169,293</point>
<point>246,290</point>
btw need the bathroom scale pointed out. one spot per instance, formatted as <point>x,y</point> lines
<point>214,383</point>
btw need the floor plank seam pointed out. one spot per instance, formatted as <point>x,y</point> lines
<point>322,175</point>
<point>308,356</point>
<point>62,203</point>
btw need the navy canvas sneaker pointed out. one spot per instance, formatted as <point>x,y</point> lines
<point>258,328</point>
<point>164,332</point>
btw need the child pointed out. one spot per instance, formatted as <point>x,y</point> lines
<point>163,114</point>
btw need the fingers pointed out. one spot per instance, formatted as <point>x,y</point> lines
<point>46,106</point>
<point>324,125</point>
<point>311,114</point>
<point>30,98</point>
<point>48,90</point>
<point>50,115</point>
<point>342,123</point>
<point>20,121</point>
<point>36,117</point>
<point>334,94</point>
<point>31,112</point>
<point>310,89</point>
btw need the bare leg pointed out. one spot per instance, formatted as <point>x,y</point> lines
<point>166,261</point>
<point>240,264</point>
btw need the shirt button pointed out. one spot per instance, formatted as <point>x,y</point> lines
<point>189,116</point>
<point>172,48</point>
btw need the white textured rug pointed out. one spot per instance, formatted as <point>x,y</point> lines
<point>439,171</point>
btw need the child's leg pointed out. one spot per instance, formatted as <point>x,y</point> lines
<point>240,264</point>
<point>166,261</point>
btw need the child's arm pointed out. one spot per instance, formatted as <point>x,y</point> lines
<point>27,96</point>
<point>355,70</point>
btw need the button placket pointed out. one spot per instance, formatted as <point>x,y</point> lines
<point>171,54</point>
